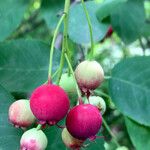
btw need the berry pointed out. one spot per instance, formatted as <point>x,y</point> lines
<point>98,102</point>
<point>70,141</point>
<point>68,84</point>
<point>89,75</point>
<point>109,32</point>
<point>20,114</point>
<point>122,148</point>
<point>83,121</point>
<point>33,139</point>
<point>49,103</point>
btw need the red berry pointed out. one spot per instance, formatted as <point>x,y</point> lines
<point>20,114</point>
<point>83,121</point>
<point>109,32</point>
<point>49,103</point>
<point>89,75</point>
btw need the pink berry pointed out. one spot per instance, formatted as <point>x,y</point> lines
<point>33,139</point>
<point>89,75</point>
<point>70,141</point>
<point>83,121</point>
<point>20,114</point>
<point>49,103</point>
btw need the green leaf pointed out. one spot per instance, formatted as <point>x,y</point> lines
<point>107,7</point>
<point>51,10</point>
<point>24,64</point>
<point>140,135</point>
<point>7,132</point>
<point>11,14</point>
<point>128,20</point>
<point>78,26</point>
<point>129,88</point>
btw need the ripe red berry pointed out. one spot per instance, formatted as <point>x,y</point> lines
<point>70,141</point>
<point>84,121</point>
<point>33,139</point>
<point>89,75</point>
<point>20,114</point>
<point>109,32</point>
<point>49,103</point>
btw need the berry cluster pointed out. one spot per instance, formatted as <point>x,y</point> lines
<point>50,103</point>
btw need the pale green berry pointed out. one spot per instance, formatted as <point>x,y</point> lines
<point>70,141</point>
<point>89,75</point>
<point>122,148</point>
<point>33,139</point>
<point>20,113</point>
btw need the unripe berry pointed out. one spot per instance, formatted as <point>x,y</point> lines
<point>70,141</point>
<point>20,114</point>
<point>98,102</point>
<point>68,84</point>
<point>83,121</point>
<point>89,75</point>
<point>49,103</point>
<point>122,148</point>
<point>33,139</point>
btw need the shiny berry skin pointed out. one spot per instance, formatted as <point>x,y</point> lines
<point>84,121</point>
<point>49,103</point>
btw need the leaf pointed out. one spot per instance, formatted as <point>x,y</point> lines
<point>24,64</point>
<point>128,20</point>
<point>50,11</point>
<point>78,27</point>
<point>11,14</point>
<point>7,132</point>
<point>107,7</point>
<point>140,135</point>
<point>129,88</point>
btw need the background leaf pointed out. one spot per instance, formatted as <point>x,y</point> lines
<point>9,136</point>
<point>140,135</point>
<point>24,64</point>
<point>78,26</point>
<point>107,7</point>
<point>129,88</point>
<point>11,14</point>
<point>51,10</point>
<point>128,20</point>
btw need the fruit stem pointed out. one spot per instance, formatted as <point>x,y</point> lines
<point>65,38</point>
<point>111,133</point>
<point>72,72</point>
<point>52,45</point>
<point>90,29</point>
<point>39,127</point>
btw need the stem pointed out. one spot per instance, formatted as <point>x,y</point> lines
<point>102,93</point>
<point>90,28</point>
<point>65,34</point>
<point>39,127</point>
<point>72,72</point>
<point>111,133</point>
<point>52,45</point>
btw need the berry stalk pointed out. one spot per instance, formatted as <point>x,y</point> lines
<point>65,34</point>
<point>52,45</point>
<point>72,72</point>
<point>90,29</point>
<point>111,133</point>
